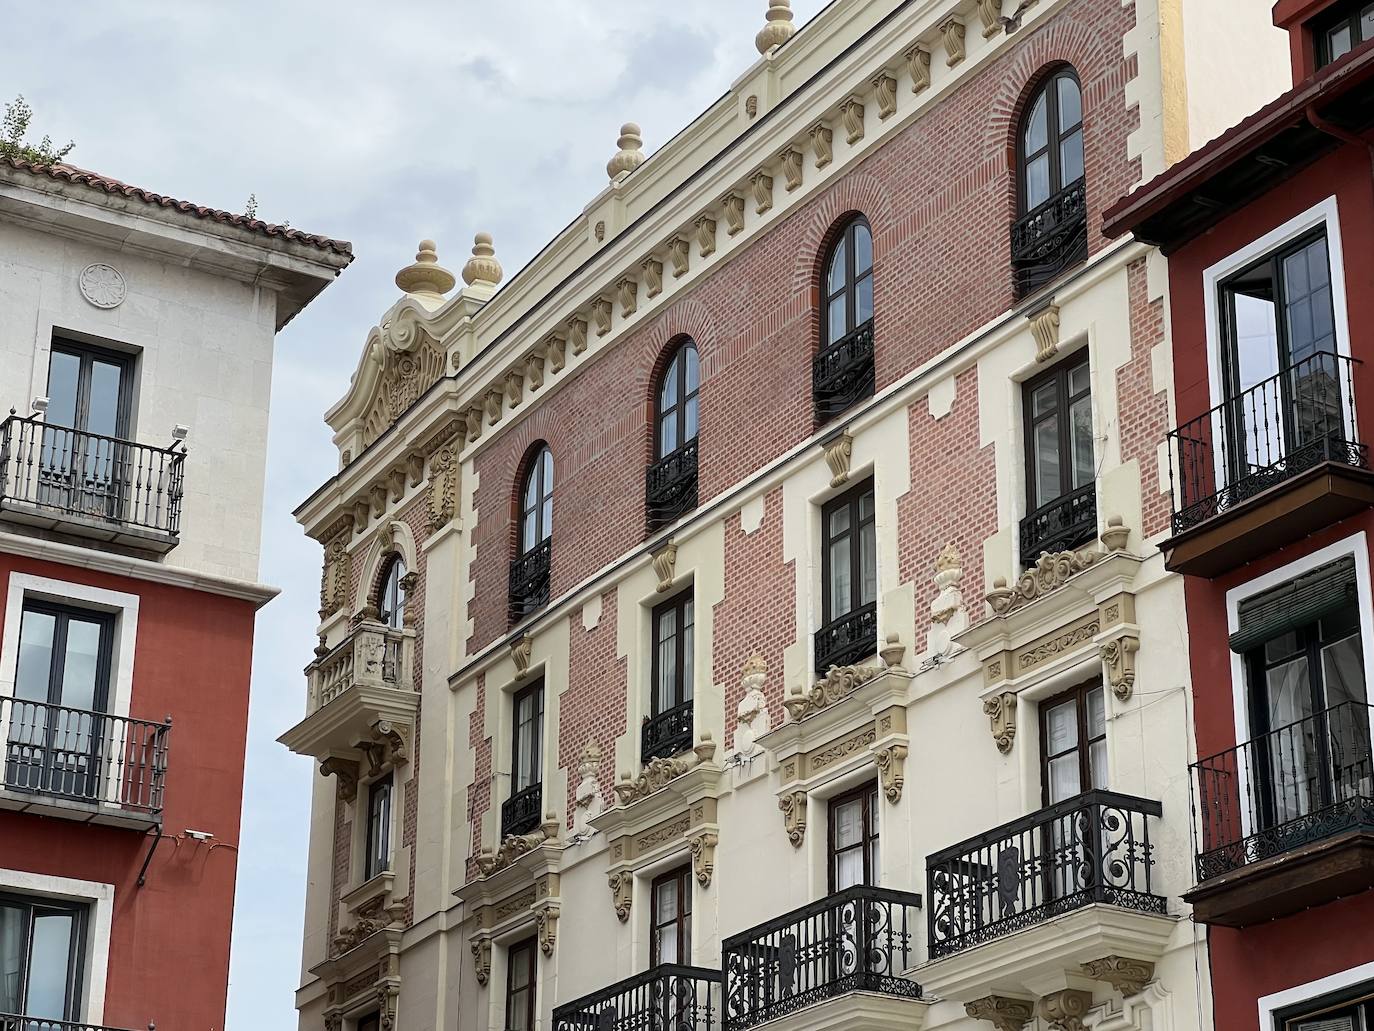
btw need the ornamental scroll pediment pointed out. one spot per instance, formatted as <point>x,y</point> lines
<point>409,361</point>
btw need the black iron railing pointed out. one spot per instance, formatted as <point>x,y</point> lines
<point>1065,524</point>
<point>842,374</point>
<point>1092,848</point>
<point>521,813</point>
<point>861,939</point>
<point>667,734</point>
<point>1278,429</point>
<point>1050,237</point>
<point>670,486</point>
<point>17,1022</point>
<point>667,998</point>
<point>90,476</point>
<point>529,581</point>
<point>1300,784</point>
<point>847,639</point>
<point>82,756</point>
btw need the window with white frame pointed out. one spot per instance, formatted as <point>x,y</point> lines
<point>42,953</point>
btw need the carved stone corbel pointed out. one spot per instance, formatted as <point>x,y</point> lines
<point>601,314</point>
<point>389,745</point>
<point>891,770</point>
<point>665,563</point>
<point>415,461</point>
<point>555,345</point>
<point>852,114</point>
<point>952,32</point>
<point>680,253</point>
<point>1044,325</point>
<point>706,235</point>
<point>762,184</point>
<point>534,369</point>
<point>793,806</point>
<point>1066,1008</point>
<point>918,64</point>
<point>546,927</point>
<point>1127,976</point>
<point>653,276</point>
<point>515,385</point>
<point>1002,1013</point>
<point>627,293</point>
<point>990,14</point>
<point>839,453</point>
<point>481,958</point>
<point>577,334</point>
<point>1001,712</point>
<point>473,417</point>
<point>622,893</point>
<point>346,770</point>
<point>791,159</point>
<point>387,995</point>
<point>734,213</point>
<point>703,847</point>
<point>1118,657</point>
<point>822,144</point>
<point>377,494</point>
<point>885,92</point>
<point>520,652</point>
<point>493,401</point>
<point>396,483</point>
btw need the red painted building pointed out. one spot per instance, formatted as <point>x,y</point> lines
<point>1271,280</point>
<point>136,374</point>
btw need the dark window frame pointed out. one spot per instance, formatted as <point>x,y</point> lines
<point>848,292</point>
<point>542,475</point>
<point>86,355</point>
<point>369,1022</point>
<point>1055,135</point>
<point>851,499</point>
<point>682,398</point>
<point>393,573</point>
<point>1061,373</point>
<point>1083,745</point>
<point>678,604</point>
<point>867,794</point>
<point>381,793</point>
<point>681,923</point>
<point>527,953</point>
<point>56,671</point>
<point>1345,15</point>
<point>522,779</point>
<point>33,904</point>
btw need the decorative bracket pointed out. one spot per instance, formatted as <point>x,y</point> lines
<point>918,64</point>
<point>1066,1008</point>
<point>953,33</point>
<point>839,453</point>
<point>1002,1013</point>
<point>891,761</point>
<point>1001,712</point>
<point>481,959</point>
<point>665,562</point>
<point>347,772</point>
<point>1118,657</point>
<point>622,893</point>
<point>1127,976</point>
<point>1044,324</point>
<point>703,848</point>
<point>520,653</point>
<point>546,926</point>
<point>793,806</point>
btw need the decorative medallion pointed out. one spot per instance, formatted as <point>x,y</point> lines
<point>102,285</point>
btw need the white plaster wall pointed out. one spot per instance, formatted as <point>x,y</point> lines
<point>1236,62</point>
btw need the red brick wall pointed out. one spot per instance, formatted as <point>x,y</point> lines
<point>479,793</point>
<point>592,707</point>
<point>1142,415</point>
<point>940,199</point>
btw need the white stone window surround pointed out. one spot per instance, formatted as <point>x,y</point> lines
<point>99,896</point>
<point>1355,546</point>
<point>679,857</point>
<point>847,777</point>
<point>1271,1004</point>
<point>1323,214</point>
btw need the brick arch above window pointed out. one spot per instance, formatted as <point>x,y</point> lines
<point>857,194</point>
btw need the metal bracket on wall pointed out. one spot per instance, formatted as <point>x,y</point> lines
<point>143,870</point>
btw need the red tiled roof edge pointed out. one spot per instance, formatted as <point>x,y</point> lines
<point>92,180</point>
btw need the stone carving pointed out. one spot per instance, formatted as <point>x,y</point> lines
<point>622,885</point>
<point>706,235</point>
<point>599,230</point>
<point>473,417</point>
<point>577,333</point>
<point>481,958</point>
<point>334,1021</point>
<point>1002,1013</point>
<point>425,278</point>
<point>346,770</point>
<point>515,385</point>
<point>751,717</point>
<point>948,616</point>
<point>601,315</point>
<point>546,927</point>
<point>534,368</point>
<point>334,578</point>
<point>952,32</point>
<point>520,652</point>
<point>1048,573</point>
<point>482,267</point>
<point>1057,645</point>
<point>627,293</point>
<point>891,770</point>
<point>751,105</point>
<point>791,159</point>
<point>387,746</point>
<point>630,155</point>
<point>1001,712</point>
<point>1119,659</point>
<point>372,916</point>
<point>653,276</point>
<point>822,143</point>
<point>703,848</point>
<point>494,401</point>
<point>827,757</point>
<point>762,184</point>
<point>778,28</point>
<point>588,799</point>
<point>1115,537</point>
<point>102,285</point>
<point>885,92</point>
<point>672,831</point>
<point>1127,976</point>
<point>839,683</point>
<point>409,362</point>
<point>659,771</point>
<point>517,845</point>
<point>1066,1008</point>
<point>990,14</point>
<point>734,213</point>
<point>839,453</point>
<point>377,494</point>
<point>892,652</point>
<point>793,806</point>
<point>680,253</point>
<point>1044,324</point>
<point>665,562</point>
<point>918,64</point>
<point>555,345</point>
<point>852,114</point>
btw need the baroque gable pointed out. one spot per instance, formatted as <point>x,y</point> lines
<point>406,361</point>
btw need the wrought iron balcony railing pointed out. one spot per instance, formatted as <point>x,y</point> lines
<point>1065,524</point>
<point>1092,848</point>
<point>1276,430</point>
<point>861,939</point>
<point>84,757</point>
<point>667,998</point>
<point>1050,237</point>
<point>1295,786</point>
<point>842,374</point>
<point>529,581</point>
<point>847,639</point>
<point>670,486</point>
<point>521,813</point>
<point>18,1022</point>
<point>372,655</point>
<point>89,477</point>
<point>667,734</point>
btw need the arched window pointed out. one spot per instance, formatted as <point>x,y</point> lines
<point>842,371</point>
<point>1051,232</point>
<point>391,595</point>
<point>677,400</point>
<point>536,502</point>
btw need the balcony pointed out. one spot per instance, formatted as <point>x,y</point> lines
<point>90,486</point>
<point>670,486</point>
<point>1267,467</point>
<point>860,940</point>
<point>842,374</point>
<point>522,812</point>
<point>1286,819</point>
<point>1065,524</point>
<point>667,734</point>
<point>364,680</point>
<point>529,581</point>
<point>83,765</point>
<point>666,998</point>
<point>1050,238</point>
<point>16,1022</point>
<point>847,639</point>
<point>1018,907</point>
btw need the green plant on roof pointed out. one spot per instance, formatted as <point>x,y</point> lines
<point>14,126</point>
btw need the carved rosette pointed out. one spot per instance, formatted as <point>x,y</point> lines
<point>793,806</point>
<point>1002,1013</point>
<point>891,761</point>
<point>1001,712</point>
<point>1066,1008</point>
<point>1127,976</point>
<point>839,683</point>
<point>622,893</point>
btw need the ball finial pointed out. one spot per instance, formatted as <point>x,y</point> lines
<point>630,155</point>
<point>425,277</point>
<point>482,267</point>
<point>778,29</point>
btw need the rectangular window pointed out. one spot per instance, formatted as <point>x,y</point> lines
<point>61,691</point>
<point>852,844</point>
<point>520,986</point>
<point>849,579</point>
<point>671,918</point>
<point>371,1022</point>
<point>521,813</point>
<point>41,949</point>
<point>1341,31</point>
<point>668,729</point>
<point>1073,743</point>
<point>379,826</point>
<point>1351,1010</point>
<point>1061,472</point>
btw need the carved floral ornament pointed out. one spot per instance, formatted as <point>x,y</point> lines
<point>372,916</point>
<point>1049,573</point>
<point>838,684</point>
<point>481,959</point>
<point>407,361</point>
<point>387,747</point>
<point>1127,976</point>
<point>665,564</point>
<point>1001,712</point>
<point>1002,1013</point>
<point>659,771</point>
<point>517,845</point>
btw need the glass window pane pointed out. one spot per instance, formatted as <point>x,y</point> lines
<point>1367,23</point>
<point>839,270</point>
<point>1064,780</point>
<point>49,963</point>
<point>690,420</point>
<point>665,902</point>
<point>1097,713</point>
<point>863,301</point>
<point>1036,134</point>
<point>849,823</point>
<point>868,551</point>
<point>839,521</point>
<point>1080,379</point>
<point>1071,159</point>
<point>667,394</point>
<point>35,655</point>
<point>546,462</point>
<point>1037,181</point>
<point>64,371</point>
<point>849,869</point>
<point>1343,672</point>
<point>692,364</point>
<point>838,313</point>
<point>1097,759</point>
<point>1338,41</point>
<point>12,923</point>
<point>841,590</point>
<point>688,633</point>
<point>866,506</point>
<point>1081,431</point>
<point>1288,694</point>
<point>547,517</point>
<point>527,533</point>
<point>103,408</point>
<point>80,689</point>
<point>1070,102</point>
<point>667,434</point>
<point>1046,461</point>
<point>863,249</point>
<point>1044,398</point>
<point>1061,727</point>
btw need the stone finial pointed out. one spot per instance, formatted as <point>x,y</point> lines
<point>630,156</point>
<point>778,29</point>
<point>482,267</point>
<point>426,278</point>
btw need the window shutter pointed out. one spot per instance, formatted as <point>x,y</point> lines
<point>1298,603</point>
<point>1328,1024</point>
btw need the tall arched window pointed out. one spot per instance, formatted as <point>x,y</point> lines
<point>671,482</point>
<point>529,571</point>
<point>391,595</point>
<point>843,369</point>
<point>1051,232</point>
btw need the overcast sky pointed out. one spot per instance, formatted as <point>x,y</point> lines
<point>375,123</point>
